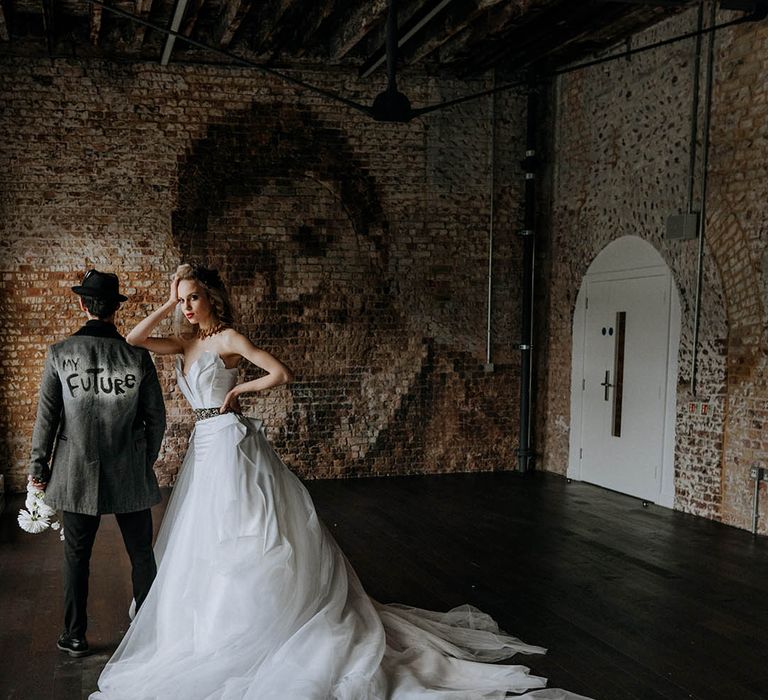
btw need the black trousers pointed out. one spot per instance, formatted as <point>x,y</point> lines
<point>79,534</point>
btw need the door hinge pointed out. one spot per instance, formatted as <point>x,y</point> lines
<point>586,302</point>
<point>581,452</point>
<point>583,384</point>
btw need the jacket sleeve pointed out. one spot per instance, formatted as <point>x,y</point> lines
<point>151,408</point>
<point>49,406</point>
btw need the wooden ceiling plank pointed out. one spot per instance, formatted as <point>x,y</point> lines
<point>264,25</point>
<point>495,21</point>
<point>606,37</point>
<point>234,13</point>
<point>404,34</point>
<point>301,30</point>
<point>94,20</point>
<point>557,23</point>
<point>409,12</point>
<point>656,3</point>
<point>304,35</point>
<point>142,9</point>
<point>450,29</point>
<point>49,25</point>
<point>355,28</point>
<point>191,15</point>
<point>4,34</point>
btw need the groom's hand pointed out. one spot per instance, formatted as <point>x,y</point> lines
<point>37,483</point>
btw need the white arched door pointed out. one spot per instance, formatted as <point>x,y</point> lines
<point>626,333</point>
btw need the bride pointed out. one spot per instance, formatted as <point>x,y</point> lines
<point>253,598</point>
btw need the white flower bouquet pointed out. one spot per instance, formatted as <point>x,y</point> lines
<point>36,516</point>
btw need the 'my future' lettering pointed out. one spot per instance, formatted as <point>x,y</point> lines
<point>94,381</point>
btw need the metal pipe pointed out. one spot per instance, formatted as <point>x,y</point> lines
<point>492,198</point>
<point>391,46</point>
<point>703,200</point>
<point>756,504</point>
<point>695,108</point>
<point>525,453</point>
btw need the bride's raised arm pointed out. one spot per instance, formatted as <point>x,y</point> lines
<point>277,373</point>
<point>140,335</point>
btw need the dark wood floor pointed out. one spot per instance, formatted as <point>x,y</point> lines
<point>632,602</point>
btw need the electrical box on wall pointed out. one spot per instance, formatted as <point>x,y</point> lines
<point>682,227</point>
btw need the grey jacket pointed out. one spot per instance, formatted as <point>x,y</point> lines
<point>100,422</point>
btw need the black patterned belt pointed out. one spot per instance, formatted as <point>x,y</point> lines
<point>203,413</point>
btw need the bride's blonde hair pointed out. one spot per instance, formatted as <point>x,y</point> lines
<point>210,280</point>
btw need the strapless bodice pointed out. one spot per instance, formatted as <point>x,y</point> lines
<point>207,381</point>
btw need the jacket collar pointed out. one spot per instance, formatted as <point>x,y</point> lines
<point>99,329</point>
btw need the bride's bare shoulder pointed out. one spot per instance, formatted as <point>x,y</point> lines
<point>235,339</point>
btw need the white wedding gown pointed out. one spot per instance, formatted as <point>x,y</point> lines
<point>254,599</point>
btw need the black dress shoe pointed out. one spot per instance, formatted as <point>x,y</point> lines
<point>73,647</point>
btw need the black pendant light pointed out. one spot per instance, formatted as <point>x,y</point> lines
<point>392,105</point>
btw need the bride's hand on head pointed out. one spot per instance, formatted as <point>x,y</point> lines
<point>173,296</point>
<point>231,402</point>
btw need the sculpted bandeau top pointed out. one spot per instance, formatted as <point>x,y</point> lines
<point>207,381</point>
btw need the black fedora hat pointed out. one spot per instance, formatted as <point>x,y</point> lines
<point>100,285</point>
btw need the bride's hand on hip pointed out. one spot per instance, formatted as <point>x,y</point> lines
<point>231,402</point>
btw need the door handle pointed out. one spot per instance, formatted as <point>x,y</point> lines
<point>606,384</point>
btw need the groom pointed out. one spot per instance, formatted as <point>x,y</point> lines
<point>100,422</point>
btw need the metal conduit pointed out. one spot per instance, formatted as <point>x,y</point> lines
<point>492,199</point>
<point>525,453</point>
<point>695,109</point>
<point>703,199</point>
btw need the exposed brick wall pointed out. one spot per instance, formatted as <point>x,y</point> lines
<point>355,251</point>
<point>739,226</point>
<point>621,143</point>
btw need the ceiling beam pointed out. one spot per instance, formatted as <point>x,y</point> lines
<point>141,9</point>
<point>551,33</point>
<point>355,27</point>
<point>403,35</point>
<point>622,28</point>
<point>453,24</point>
<point>657,3</point>
<point>190,16</point>
<point>484,29</point>
<point>170,40</point>
<point>234,13</point>
<point>306,30</point>
<point>94,30</point>
<point>4,35</point>
<point>49,27</point>
<point>265,22</point>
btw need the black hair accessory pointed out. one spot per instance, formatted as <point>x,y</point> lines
<point>209,276</point>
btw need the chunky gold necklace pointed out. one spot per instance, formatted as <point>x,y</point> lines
<point>213,330</point>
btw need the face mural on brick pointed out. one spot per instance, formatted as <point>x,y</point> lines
<point>281,205</point>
